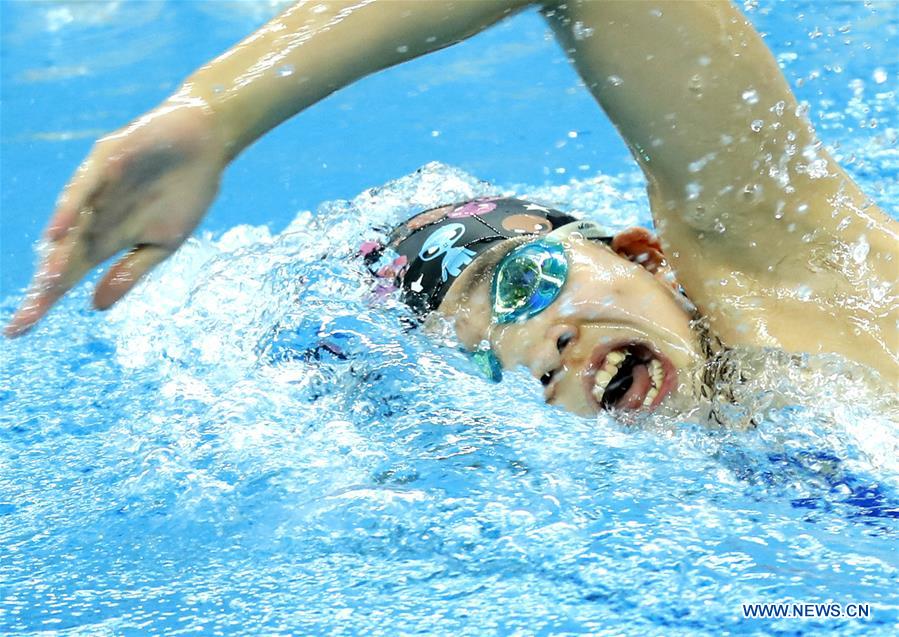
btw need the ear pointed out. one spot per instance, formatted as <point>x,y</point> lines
<point>640,246</point>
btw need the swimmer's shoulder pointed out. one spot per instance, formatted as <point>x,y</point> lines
<point>807,269</point>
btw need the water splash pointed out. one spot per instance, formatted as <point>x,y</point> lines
<point>254,403</point>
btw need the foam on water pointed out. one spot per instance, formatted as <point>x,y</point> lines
<point>256,442</point>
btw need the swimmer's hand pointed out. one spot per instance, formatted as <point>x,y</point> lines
<point>142,189</point>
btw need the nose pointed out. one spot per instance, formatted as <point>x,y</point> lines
<point>549,354</point>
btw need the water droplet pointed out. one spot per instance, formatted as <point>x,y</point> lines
<point>285,70</point>
<point>699,164</point>
<point>860,250</point>
<point>751,96</point>
<point>572,134</point>
<point>655,13</point>
<point>756,125</point>
<point>789,56</point>
<point>402,49</point>
<point>817,169</point>
<point>751,192</point>
<point>880,75</point>
<point>695,84</point>
<point>435,133</point>
<point>803,292</point>
<point>615,80</point>
<point>431,39</point>
<point>693,190</point>
<point>581,31</point>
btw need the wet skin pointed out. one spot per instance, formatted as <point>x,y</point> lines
<point>771,239</point>
<point>608,302</point>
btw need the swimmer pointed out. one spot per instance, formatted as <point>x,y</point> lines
<point>768,238</point>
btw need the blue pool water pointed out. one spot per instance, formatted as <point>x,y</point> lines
<point>250,445</point>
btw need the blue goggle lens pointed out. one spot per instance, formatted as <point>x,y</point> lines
<point>527,280</point>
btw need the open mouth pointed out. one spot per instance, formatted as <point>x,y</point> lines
<point>629,375</point>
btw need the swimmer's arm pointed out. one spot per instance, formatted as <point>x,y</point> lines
<point>316,48</point>
<point>744,195</point>
<point>144,188</point>
<point>706,112</point>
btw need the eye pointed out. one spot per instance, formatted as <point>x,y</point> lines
<point>527,280</point>
<point>563,341</point>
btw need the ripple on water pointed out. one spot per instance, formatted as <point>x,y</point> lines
<point>250,444</point>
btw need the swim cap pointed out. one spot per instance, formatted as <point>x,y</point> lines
<point>427,253</point>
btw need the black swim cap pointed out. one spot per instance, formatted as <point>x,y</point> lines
<point>427,253</point>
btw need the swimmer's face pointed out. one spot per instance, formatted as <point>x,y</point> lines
<point>618,335</point>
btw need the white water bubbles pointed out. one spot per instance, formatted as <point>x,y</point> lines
<point>581,31</point>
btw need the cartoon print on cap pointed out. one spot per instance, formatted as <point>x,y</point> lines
<point>443,242</point>
<point>429,216</point>
<point>527,224</point>
<point>479,206</point>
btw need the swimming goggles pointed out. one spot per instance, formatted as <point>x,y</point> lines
<point>528,279</point>
<point>531,276</point>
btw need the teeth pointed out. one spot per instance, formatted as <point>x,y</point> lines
<point>650,396</point>
<point>610,368</point>
<point>616,357</point>
<point>613,361</point>
<point>607,372</point>
<point>601,380</point>
<point>657,374</point>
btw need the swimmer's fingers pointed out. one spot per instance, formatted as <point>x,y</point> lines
<point>63,266</point>
<point>148,184</point>
<point>125,274</point>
